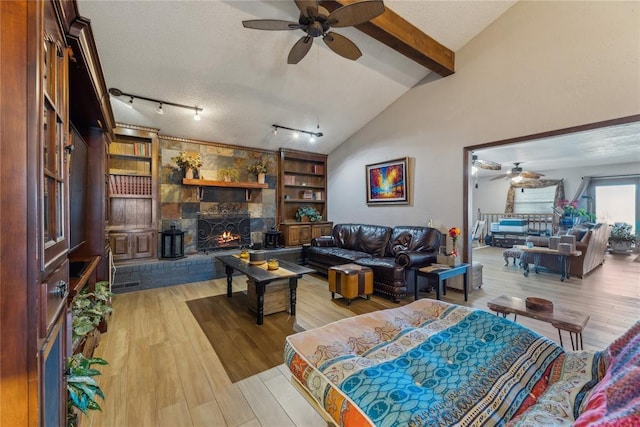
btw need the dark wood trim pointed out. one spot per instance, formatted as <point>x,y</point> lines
<point>400,35</point>
<point>91,106</point>
<point>216,144</point>
<point>229,184</point>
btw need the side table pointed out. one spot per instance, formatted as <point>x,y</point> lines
<point>442,274</point>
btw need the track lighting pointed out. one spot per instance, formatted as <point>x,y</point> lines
<point>117,92</point>
<point>297,132</point>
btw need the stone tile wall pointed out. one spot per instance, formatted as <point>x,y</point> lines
<point>180,204</point>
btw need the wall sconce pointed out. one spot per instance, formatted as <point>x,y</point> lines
<point>117,92</point>
<point>297,132</point>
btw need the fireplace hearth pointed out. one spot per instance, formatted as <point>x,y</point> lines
<point>223,232</point>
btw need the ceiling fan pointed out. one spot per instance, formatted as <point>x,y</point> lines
<point>316,21</point>
<point>517,171</point>
<point>485,164</point>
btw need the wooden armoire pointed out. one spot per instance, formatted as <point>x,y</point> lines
<point>50,79</point>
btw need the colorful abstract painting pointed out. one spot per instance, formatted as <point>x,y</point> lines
<point>387,182</point>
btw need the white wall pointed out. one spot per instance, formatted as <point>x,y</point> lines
<point>541,66</point>
<point>491,196</point>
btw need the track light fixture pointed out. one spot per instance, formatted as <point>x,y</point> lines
<point>117,92</point>
<point>297,132</point>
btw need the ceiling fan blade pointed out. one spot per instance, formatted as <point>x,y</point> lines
<point>271,24</point>
<point>495,178</point>
<point>488,165</point>
<point>531,174</point>
<point>342,45</point>
<point>308,7</point>
<point>355,13</point>
<point>299,50</point>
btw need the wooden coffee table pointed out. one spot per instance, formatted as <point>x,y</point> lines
<point>263,277</point>
<point>561,319</point>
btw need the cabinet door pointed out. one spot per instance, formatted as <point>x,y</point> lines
<point>316,231</point>
<point>120,246</point>
<point>327,229</point>
<point>305,234</point>
<point>292,235</point>
<point>143,244</point>
<point>52,356</point>
<point>53,297</point>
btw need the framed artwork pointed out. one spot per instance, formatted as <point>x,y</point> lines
<point>388,182</point>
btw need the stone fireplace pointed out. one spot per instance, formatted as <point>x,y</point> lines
<point>223,232</point>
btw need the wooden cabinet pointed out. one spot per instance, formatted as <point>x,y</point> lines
<point>35,117</point>
<point>302,183</point>
<point>132,194</point>
<point>298,233</point>
<point>132,245</point>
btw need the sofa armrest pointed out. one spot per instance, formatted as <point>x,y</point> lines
<point>415,259</point>
<point>324,241</point>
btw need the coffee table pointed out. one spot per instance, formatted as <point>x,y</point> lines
<point>564,259</point>
<point>262,277</point>
<point>561,319</point>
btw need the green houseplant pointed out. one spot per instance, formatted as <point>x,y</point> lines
<point>88,310</point>
<point>309,212</point>
<point>82,388</point>
<point>621,237</point>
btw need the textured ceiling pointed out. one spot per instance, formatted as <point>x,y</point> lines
<point>604,146</point>
<point>198,53</point>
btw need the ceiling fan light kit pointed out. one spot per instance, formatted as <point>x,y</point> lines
<point>316,21</point>
<point>117,93</point>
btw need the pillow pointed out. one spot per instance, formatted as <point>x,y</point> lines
<point>616,399</point>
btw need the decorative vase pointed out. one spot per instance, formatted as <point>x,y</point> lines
<point>227,178</point>
<point>188,173</point>
<point>261,177</point>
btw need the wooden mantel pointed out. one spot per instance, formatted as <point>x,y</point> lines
<point>229,184</point>
<point>248,186</point>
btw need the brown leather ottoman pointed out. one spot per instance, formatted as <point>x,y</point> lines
<point>350,281</point>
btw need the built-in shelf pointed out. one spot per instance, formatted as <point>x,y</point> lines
<point>303,201</point>
<point>209,183</point>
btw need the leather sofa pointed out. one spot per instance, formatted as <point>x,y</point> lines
<point>592,242</point>
<point>389,252</point>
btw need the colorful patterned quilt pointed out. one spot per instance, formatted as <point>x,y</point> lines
<point>426,363</point>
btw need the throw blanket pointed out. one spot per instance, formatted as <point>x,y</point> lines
<point>426,363</point>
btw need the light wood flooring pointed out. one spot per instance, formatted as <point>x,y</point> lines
<point>163,372</point>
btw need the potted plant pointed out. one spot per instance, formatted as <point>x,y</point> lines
<point>88,310</point>
<point>82,388</point>
<point>621,239</point>
<point>189,163</point>
<point>228,174</point>
<point>308,213</point>
<point>259,168</point>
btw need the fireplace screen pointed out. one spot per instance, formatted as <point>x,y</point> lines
<point>223,232</point>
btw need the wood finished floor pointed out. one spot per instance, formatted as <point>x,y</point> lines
<point>163,371</point>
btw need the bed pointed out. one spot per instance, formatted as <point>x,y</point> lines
<point>434,363</point>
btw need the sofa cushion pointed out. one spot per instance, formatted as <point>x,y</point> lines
<point>346,235</point>
<point>616,399</point>
<point>337,256</point>
<point>412,238</point>
<point>373,239</point>
<point>578,232</point>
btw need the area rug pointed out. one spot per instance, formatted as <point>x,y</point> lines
<point>244,348</point>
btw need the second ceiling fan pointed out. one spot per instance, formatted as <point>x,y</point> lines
<point>517,171</point>
<point>316,21</point>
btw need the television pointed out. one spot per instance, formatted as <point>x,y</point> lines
<point>78,169</point>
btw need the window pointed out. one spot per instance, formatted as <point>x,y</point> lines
<point>534,200</point>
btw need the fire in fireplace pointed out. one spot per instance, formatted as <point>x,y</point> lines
<point>223,232</point>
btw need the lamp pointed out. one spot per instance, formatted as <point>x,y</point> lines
<point>117,92</point>
<point>517,179</point>
<point>297,132</point>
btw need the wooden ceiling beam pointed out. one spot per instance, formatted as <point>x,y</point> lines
<point>400,35</point>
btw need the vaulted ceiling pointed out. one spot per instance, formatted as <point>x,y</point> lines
<point>199,54</point>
